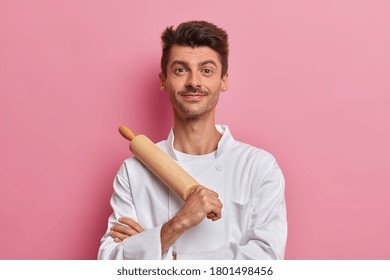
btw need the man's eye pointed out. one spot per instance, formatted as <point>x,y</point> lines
<point>208,71</point>
<point>180,70</point>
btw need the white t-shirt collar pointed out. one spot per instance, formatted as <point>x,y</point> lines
<point>224,143</point>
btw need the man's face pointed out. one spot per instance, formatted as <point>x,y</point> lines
<point>193,81</point>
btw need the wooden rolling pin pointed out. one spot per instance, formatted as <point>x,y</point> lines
<point>168,171</point>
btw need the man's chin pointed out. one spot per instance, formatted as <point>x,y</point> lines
<point>187,113</point>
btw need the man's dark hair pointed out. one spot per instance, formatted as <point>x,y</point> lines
<point>195,34</point>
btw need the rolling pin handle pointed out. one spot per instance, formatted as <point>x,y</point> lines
<point>126,132</point>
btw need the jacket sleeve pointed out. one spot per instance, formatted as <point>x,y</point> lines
<point>143,246</point>
<point>265,236</point>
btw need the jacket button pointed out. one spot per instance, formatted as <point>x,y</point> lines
<point>219,166</point>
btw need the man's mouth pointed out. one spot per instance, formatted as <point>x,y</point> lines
<point>191,94</point>
<point>193,97</point>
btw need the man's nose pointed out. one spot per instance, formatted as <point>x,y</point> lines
<point>193,80</point>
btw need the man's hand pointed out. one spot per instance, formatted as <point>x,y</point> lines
<point>121,232</point>
<point>201,203</point>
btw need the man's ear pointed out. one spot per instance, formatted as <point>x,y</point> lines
<point>163,81</point>
<point>225,84</point>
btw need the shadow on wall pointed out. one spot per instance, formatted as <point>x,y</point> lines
<point>149,110</point>
<point>157,110</point>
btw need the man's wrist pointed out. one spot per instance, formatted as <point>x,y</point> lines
<point>171,231</point>
<point>175,226</point>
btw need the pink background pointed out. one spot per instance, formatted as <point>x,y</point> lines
<point>309,81</point>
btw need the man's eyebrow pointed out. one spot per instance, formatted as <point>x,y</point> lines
<point>209,61</point>
<point>179,62</point>
<point>184,63</point>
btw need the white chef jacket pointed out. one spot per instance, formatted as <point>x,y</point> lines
<point>250,185</point>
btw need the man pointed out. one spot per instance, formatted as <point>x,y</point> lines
<point>239,210</point>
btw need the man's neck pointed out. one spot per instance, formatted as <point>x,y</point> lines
<point>196,137</point>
